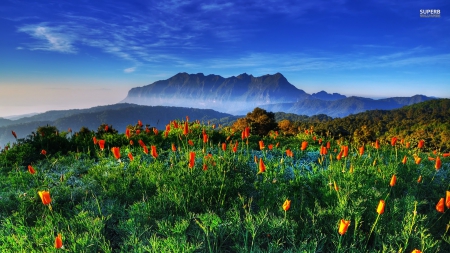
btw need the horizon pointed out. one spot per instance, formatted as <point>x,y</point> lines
<point>58,55</point>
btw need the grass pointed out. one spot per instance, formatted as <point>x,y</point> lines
<point>103,204</point>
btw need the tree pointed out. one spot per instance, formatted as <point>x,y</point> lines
<point>259,120</point>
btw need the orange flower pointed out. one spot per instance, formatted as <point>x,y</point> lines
<point>94,140</point>
<point>130,156</point>
<point>205,138</point>
<point>155,131</point>
<point>190,143</point>
<point>419,179</point>
<point>58,242</point>
<point>14,134</point>
<point>262,167</point>
<point>328,145</point>
<point>404,159</point>
<point>191,159</point>
<point>447,199</point>
<point>438,164</point>
<point>416,251</point>
<point>43,152</point>
<point>224,146</point>
<point>361,150</point>
<point>393,180</point>
<point>235,147</point>
<point>31,169</point>
<point>336,188</point>
<point>145,149</point>
<point>339,156</point>
<point>440,206</point>
<point>261,145</point>
<point>417,159</point>
<point>304,145</point>
<point>286,205</point>
<point>174,149</point>
<point>154,153</point>
<point>127,133</point>
<point>106,128</point>
<point>45,197</point>
<point>446,154</point>
<point>270,146</point>
<point>393,141</point>
<point>345,148</point>
<point>138,131</point>
<point>116,152</point>
<point>377,144</point>
<point>380,208</point>
<point>101,144</point>
<point>186,128</point>
<point>139,123</point>
<point>131,142</point>
<point>141,143</point>
<point>420,144</point>
<point>408,144</point>
<point>343,226</point>
<point>289,153</point>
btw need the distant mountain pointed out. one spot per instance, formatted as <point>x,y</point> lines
<point>4,122</point>
<point>118,116</point>
<point>237,95</point>
<point>323,95</point>
<point>241,94</point>
<point>16,117</point>
<point>344,107</point>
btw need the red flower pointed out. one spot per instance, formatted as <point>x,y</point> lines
<point>94,140</point>
<point>116,152</point>
<point>262,166</point>
<point>393,141</point>
<point>270,146</point>
<point>155,131</point>
<point>377,144</point>
<point>138,131</point>
<point>145,149</point>
<point>140,123</point>
<point>286,205</point>
<point>130,156</point>
<point>14,134</point>
<point>43,152</point>
<point>440,206</point>
<point>191,159</point>
<point>186,128</point>
<point>235,147</point>
<point>361,150</point>
<point>380,208</point>
<point>447,199</point>
<point>106,128</point>
<point>174,149</point>
<point>101,144</point>
<point>345,148</point>
<point>154,153</point>
<point>127,133</point>
<point>339,156</point>
<point>420,144</point>
<point>289,153</point>
<point>419,179</point>
<point>58,242</point>
<point>190,143</point>
<point>304,145</point>
<point>31,169</point>
<point>131,142</point>
<point>224,146</point>
<point>328,145</point>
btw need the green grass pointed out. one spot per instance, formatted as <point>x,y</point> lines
<point>100,204</point>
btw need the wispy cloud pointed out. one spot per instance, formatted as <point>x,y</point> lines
<point>129,70</point>
<point>49,38</point>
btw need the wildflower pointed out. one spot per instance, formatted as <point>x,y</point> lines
<point>174,149</point>
<point>131,142</point>
<point>304,145</point>
<point>43,152</point>
<point>262,167</point>
<point>138,131</point>
<point>377,144</point>
<point>94,140</point>
<point>261,145</point>
<point>339,156</point>
<point>235,147</point>
<point>361,150</point>
<point>440,206</point>
<point>336,188</point>
<point>127,133</point>
<point>446,154</point>
<point>420,144</point>
<point>186,128</point>
<point>130,156</point>
<point>323,150</point>
<point>116,152</point>
<point>328,145</point>
<point>393,141</point>
<point>447,199</point>
<point>289,153</point>
<point>205,138</point>
<point>101,144</point>
<point>286,205</point>
<point>224,146</point>
<point>419,179</point>
<point>270,146</point>
<point>393,180</point>
<point>141,143</point>
<point>416,251</point>
<point>145,149</point>
<point>140,123</point>
<point>343,226</point>
<point>155,131</point>
<point>404,159</point>
<point>345,148</point>
<point>380,208</point>
<point>45,197</point>
<point>31,169</point>
<point>14,134</point>
<point>154,153</point>
<point>408,144</point>
<point>417,159</point>
<point>190,143</point>
<point>58,242</point>
<point>191,159</point>
<point>438,164</point>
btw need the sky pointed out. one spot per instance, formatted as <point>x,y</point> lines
<point>57,55</point>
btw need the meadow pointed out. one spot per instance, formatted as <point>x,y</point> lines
<point>197,187</point>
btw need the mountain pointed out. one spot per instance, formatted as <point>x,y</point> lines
<point>4,122</point>
<point>236,95</point>
<point>118,116</point>
<point>16,117</point>
<point>323,95</point>
<point>241,94</point>
<point>344,107</point>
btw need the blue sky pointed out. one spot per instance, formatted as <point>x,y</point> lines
<point>78,54</point>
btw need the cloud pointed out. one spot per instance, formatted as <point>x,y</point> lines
<point>129,70</point>
<point>49,38</point>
